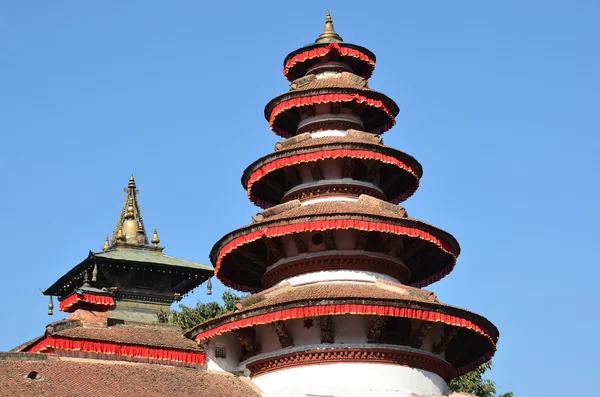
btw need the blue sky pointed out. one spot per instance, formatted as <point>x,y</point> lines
<point>499,102</point>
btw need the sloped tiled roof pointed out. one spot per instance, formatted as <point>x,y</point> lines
<point>145,335</point>
<point>40,375</point>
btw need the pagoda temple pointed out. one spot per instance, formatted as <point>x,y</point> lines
<point>111,342</point>
<point>334,265</point>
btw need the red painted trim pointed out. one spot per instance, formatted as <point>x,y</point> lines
<point>326,224</point>
<point>328,98</point>
<point>120,349</point>
<point>352,355</point>
<point>337,309</point>
<point>331,154</point>
<point>322,51</point>
<point>104,302</point>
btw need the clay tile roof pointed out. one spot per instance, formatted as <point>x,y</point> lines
<point>380,290</point>
<point>306,140</point>
<point>155,335</point>
<point>341,80</point>
<point>39,375</point>
<point>366,205</point>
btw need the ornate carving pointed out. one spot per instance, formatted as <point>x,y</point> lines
<point>247,338</point>
<point>274,247</point>
<point>361,240</point>
<point>329,239</point>
<point>315,170</point>
<point>327,328</point>
<point>348,169</point>
<point>285,339</point>
<point>389,244</point>
<point>421,333</point>
<point>345,355</point>
<point>373,174</point>
<point>391,267</point>
<point>449,334</point>
<point>299,243</point>
<point>376,326</point>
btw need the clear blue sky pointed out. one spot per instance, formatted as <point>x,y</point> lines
<point>499,103</point>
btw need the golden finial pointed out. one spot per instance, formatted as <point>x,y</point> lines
<point>131,184</point>
<point>329,35</point>
<point>155,240</point>
<point>141,234</point>
<point>106,244</point>
<point>120,235</point>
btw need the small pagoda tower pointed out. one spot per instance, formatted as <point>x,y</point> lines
<point>334,265</point>
<point>131,277</point>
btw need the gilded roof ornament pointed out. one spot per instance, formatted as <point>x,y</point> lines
<point>329,35</point>
<point>130,226</point>
<point>155,240</point>
<point>106,244</point>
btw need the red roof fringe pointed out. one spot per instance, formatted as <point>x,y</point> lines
<point>338,309</point>
<point>328,154</point>
<point>321,51</point>
<point>326,224</point>
<point>327,98</point>
<point>146,352</point>
<point>105,301</point>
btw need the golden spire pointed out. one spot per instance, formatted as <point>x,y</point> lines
<point>106,244</point>
<point>155,240</point>
<point>329,35</point>
<point>130,226</point>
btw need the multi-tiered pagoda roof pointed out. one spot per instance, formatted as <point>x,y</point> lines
<point>331,245</point>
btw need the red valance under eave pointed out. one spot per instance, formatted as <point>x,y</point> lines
<point>321,51</point>
<point>328,154</point>
<point>327,224</point>
<point>328,98</point>
<point>104,302</point>
<point>339,309</point>
<point>147,352</point>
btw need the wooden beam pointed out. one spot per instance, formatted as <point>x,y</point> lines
<point>421,333</point>
<point>253,257</point>
<point>106,275</point>
<point>327,328</point>
<point>247,338</point>
<point>329,239</point>
<point>299,243</point>
<point>373,174</point>
<point>376,327</point>
<point>349,166</point>
<point>315,170</point>
<point>449,334</point>
<point>280,190</point>
<point>361,240</point>
<point>387,182</point>
<point>274,247</point>
<point>291,175</point>
<point>285,339</point>
<point>390,243</point>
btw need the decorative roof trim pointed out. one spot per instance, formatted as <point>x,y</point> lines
<point>119,349</point>
<point>328,98</point>
<point>360,309</point>
<point>326,224</point>
<point>322,154</point>
<point>372,354</point>
<point>319,51</point>
<point>67,304</point>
